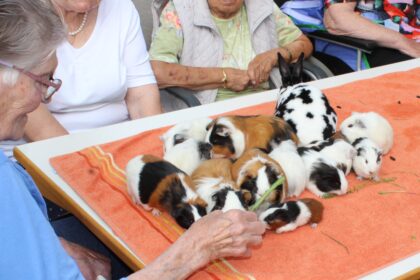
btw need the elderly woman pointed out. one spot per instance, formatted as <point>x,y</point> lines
<point>30,248</point>
<point>222,48</point>
<point>105,69</point>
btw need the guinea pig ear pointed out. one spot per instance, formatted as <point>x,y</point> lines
<point>297,70</point>
<point>284,71</point>
<point>360,123</point>
<point>222,131</point>
<point>210,125</point>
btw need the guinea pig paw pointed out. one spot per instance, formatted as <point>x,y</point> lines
<point>314,225</point>
<point>376,178</point>
<point>156,212</point>
<point>359,178</point>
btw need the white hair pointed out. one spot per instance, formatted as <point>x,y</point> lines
<point>30,31</point>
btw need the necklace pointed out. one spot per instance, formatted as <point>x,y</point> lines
<point>82,25</point>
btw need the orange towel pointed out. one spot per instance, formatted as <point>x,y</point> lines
<point>371,227</point>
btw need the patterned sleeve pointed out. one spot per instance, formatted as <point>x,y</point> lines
<point>287,31</point>
<point>168,41</point>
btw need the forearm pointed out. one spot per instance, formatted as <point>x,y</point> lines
<point>338,16</point>
<point>295,48</point>
<point>196,78</point>
<point>178,262</point>
<point>42,125</point>
<point>143,101</point>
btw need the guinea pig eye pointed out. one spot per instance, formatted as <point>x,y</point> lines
<point>350,125</point>
<point>366,161</point>
<point>178,139</point>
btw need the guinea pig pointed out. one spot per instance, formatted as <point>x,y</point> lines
<point>255,171</point>
<point>213,182</point>
<point>292,214</point>
<point>232,135</point>
<point>195,129</point>
<point>293,166</point>
<point>370,125</point>
<point>158,185</point>
<point>336,149</point>
<point>304,107</point>
<point>368,159</point>
<point>322,174</point>
<point>188,155</point>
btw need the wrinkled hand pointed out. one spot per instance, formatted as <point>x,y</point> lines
<point>237,80</point>
<point>90,263</point>
<point>411,48</point>
<point>229,234</point>
<point>260,67</point>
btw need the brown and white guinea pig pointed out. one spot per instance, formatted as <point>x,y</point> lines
<point>232,135</point>
<point>213,183</point>
<point>195,129</point>
<point>293,166</point>
<point>255,171</point>
<point>292,214</point>
<point>158,185</point>
<point>370,125</point>
<point>338,150</point>
<point>188,155</point>
<point>323,175</point>
<point>368,160</point>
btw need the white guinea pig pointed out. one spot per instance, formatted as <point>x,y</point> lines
<point>368,159</point>
<point>195,129</point>
<point>188,155</point>
<point>292,164</point>
<point>323,175</point>
<point>336,149</point>
<point>370,125</point>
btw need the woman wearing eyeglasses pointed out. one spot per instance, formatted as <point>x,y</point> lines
<point>104,68</point>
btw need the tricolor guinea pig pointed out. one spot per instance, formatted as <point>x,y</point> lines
<point>158,185</point>
<point>370,125</point>
<point>323,175</point>
<point>188,155</point>
<point>293,166</point>
<point>304,107</point>
<point>213,182</point>
<point>336,149</point>
<point>292,214</point>
<point>255,171</point>
<point>195,129</point>
<point>232,135</point>
<point>368,160</point>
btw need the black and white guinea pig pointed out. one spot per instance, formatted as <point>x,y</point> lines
<point>158,185</point>
<point>323,175</point>
<point>232,135</point>
<point>292,214</point>
<point>213,183</point>
<point>368,160</point>
<point>195,129</point>
<point>336,149</point>
<point>255,171</point>
<point>293,166</point>
<point>188,155</point>
<point>304,107</point>
<point>370,125</point>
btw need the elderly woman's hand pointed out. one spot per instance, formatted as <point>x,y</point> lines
<point>260,67</point>
<point>237,80</point>
<point>227,234</point>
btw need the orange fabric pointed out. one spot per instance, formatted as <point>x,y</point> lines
<point>373,226</point>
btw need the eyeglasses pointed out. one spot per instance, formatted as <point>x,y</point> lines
<point>53,85</point>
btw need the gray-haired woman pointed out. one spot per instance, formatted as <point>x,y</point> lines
<point>29,33</point>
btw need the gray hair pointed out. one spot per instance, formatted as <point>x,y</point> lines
<point>30,31</point>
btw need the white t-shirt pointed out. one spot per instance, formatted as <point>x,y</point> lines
<point>96,76</point>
